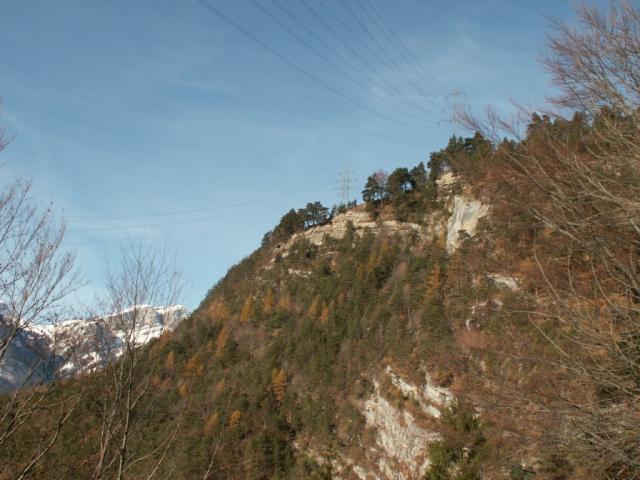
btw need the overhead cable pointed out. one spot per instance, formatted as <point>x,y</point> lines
<point>302,70</point>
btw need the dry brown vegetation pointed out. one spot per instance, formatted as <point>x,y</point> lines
<point>546,366</point>
<point>566,371</point>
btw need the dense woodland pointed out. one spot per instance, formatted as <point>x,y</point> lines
<point>280,353</point>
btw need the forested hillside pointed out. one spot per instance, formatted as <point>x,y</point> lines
<point>400,330</point>
<point>474,317</point>
<point>281,370</point>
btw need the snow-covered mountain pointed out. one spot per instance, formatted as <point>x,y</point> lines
<point>27,361</point>
<point>77,345</point>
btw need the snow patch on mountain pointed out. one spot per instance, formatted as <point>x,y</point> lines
<point>27,361</point>
<point>87,344</point>
<point>79,345</point>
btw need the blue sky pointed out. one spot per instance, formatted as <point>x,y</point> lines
<point>157,121</point>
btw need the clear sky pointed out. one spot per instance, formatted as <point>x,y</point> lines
<point>158,121</point>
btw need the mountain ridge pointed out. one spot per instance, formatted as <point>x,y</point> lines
<point>73,346</point>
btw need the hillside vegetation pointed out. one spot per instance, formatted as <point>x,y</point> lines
<point>473,318</point>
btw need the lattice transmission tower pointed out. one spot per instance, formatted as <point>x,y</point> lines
<point>345,186</point>
<point>457,108</point>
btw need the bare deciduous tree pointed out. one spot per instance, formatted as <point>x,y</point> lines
<point>34,277</point>
<point>126,410</point>
<point>588,183</point>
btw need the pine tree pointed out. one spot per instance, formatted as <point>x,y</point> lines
<point>221,340</point>
<point>278,383</point>
<point>418,177</point>
<point>170,361</point>
<point>375,189</point>
<point>212,421</point>
<point>219,310</point>
<point>324,315</point>
<point>267,302</point>
<point>234,420</point>
<point>312,311</point>
<point>290,223</point>
<point>247,311</point>
<point>284,301</point>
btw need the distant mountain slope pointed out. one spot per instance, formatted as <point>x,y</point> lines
<point>28,360</point>
<point>72,346</point>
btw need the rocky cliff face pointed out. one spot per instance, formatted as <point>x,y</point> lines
<point>461,215</point>
<point>403,432</point>
<point>465,214</point>
<point>360,220</point>
<point>400,431</point>
<point>322,356</point>
<point>399,413</point>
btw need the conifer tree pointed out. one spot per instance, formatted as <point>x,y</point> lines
<point>375,189</point>
<point>278,383</point>
<point>247,311</point>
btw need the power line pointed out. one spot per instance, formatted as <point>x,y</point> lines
<point>300,69</point>
<point>149,236</point>
<point>368,48</point>
<point>348,30</point>
<point>160,224</point>
<point>146,237</point>
<point>317,37</point>
<point>350,49</point>
<point>164,213</point>
<point>329,62</point>
<point>391,61</point>
<point>400,47</point>
<point>346,44</point>
<point>158,214</point>
<point>103,242</point>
